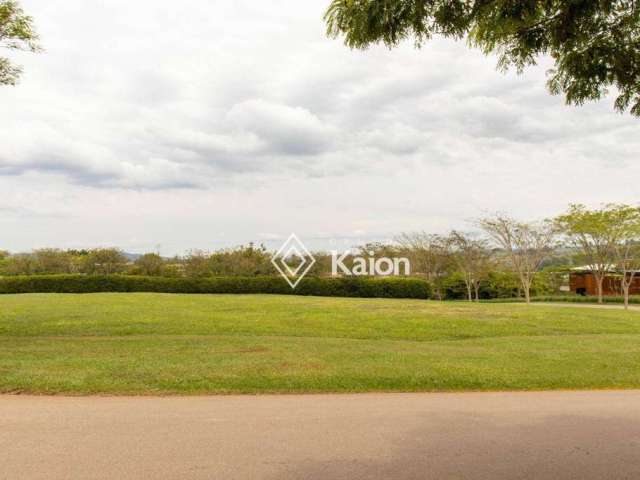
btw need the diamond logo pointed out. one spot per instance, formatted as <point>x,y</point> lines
<point>293,261</point>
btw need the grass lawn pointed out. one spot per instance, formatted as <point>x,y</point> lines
<point>139,343</point>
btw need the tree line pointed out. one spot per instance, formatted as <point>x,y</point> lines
<point>504,257</point>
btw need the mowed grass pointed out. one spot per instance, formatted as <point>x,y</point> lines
<point>140,343</point>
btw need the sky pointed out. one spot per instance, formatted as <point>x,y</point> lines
<point>170,126</point>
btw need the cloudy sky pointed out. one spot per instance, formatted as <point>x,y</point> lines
<point>204,124</point>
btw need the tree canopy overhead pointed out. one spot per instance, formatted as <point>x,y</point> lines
<point>16,33</point>
<point>595,44</point>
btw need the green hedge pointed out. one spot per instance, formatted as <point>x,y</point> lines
<point>325,287</point>
<point>567,299</point>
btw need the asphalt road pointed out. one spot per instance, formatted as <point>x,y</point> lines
<point>555,435</point>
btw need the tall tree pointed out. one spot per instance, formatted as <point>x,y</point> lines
<point>16,33</point>
<point>628,258</point>
<point>627,249</point>
<point>473,258</point>
<point>430,256</point>
<point>527,245</point>
<point>595,45</point>
<point>596,234</point>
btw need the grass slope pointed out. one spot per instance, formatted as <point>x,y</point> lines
<point>192,344</point>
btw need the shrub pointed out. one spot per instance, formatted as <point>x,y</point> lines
<point>454,287</point>
<point>325,287</point>
<point>500,284</point>
<point>568,299</point>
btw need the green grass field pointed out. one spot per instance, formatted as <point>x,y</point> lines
<point>194,344</point>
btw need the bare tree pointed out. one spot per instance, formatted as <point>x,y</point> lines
<point>526,245</point>
<point>430,256</point>
<point>473,258</point>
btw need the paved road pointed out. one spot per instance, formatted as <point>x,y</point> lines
<point>557,435</point>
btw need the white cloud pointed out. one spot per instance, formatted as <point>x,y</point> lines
<point>230,118</point>
<point>283,129</point>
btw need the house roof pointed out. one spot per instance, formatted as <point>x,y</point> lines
<point>591,268</point>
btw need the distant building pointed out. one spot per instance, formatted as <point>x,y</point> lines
<point>583,282</point>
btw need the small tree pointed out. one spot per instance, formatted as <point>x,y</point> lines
<point>20,264</point>
<point>627,249</point>
<point>595,235</point>
<point>150,264</point>
<point>52,261</point>
<point>196,264</point>
<point>16,33</point>
<point>105,261</point>
<point>525,244</point>
<point>430,256</point>
<point>473,258</point>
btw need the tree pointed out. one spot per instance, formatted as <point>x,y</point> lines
<point>525,244</point>
<point>196,264</point>
<point>594,44</point>
<point>20,264</point>
<point>595,234</point>
<point>52,261</point>
<point>16,33</point>
<point>473,258</point>
<point>430,256</point>
<point>628,256</point>
<point>243,261</point>
<point>627,249</point>
<point>105,261</point>
<point>150,264</point>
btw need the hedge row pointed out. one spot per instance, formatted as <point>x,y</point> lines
<point>568,299</point>
<point>324,287</point>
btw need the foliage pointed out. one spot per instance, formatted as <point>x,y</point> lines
<point>16,33</point>
<point>627,249</point>
<point>240,261</point>
<point>244,261</point>
<point>522,261</point>
<point>430,256</point>
<point>332,287</point>
<point>20,264</point>
<point>526,245</point>
<point>567,299</point>
<point>104,261</point>
<point>595,45</point>
<point>597,234</point>
<point>150,264</point>
<point>501,284</point>
<point>472,258</point>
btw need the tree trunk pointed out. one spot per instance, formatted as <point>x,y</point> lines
<point>525,282</point>
<point>600,282</point>
<point>469,294</point>
<point>477,290</point>
<point>625,288</point>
